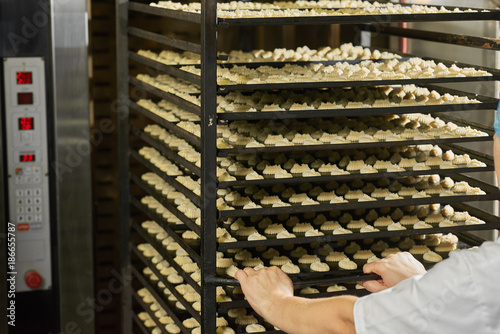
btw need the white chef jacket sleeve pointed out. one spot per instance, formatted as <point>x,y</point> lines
<point>459,295</point>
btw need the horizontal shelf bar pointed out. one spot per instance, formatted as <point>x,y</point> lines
<point>164,12</point>
<point>186,105</point>
<point>353,19</point>
<point>172,127</point>
<point>192,253</point>
<point>173,42</point>
<point>244,304</point>
<point>164,68</point>
<point>350,177</point>
<point>294,114</point>
<point>325,84</point>
<point>307,279</point>
<point>160,301</point>
<point>168,152</point>
<point>185,191</point>
<point>281,149</point>
<point>432,36</point>
<point>169,206</point>
<point>160,249</point>
<point>356,236</point>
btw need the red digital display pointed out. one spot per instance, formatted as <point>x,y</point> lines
<point>24,98</point>
<point>24,78</point>
<point>26,123</point>
<point>27,158</point>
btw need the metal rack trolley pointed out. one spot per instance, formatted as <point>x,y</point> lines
<point>207,49</point>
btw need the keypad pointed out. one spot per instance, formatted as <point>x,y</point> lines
<point>29,201</point>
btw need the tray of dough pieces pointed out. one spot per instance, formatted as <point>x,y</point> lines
<point>314,12</point>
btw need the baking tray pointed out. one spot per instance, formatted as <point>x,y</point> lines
<point>163,304</point>
<point>371,176</point>
<point>225,22</point>
<point>353,19</point>
<point>170,126</point>
<point>153,216</point>
<point>164,12</point>
<point>492,222</point>
<point>169,206</point>
<point>165,256</point>
<point>322,84</point>
<point>487,103</point>
<point>170,286</point>
<point>255,150</point>
<point>171,155</point>
<point>167,69</point>
<point>185,191</point>
<point>166,96</point>
<point>492,193</point>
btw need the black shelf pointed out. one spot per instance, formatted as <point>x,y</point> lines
<point>168,285</point>
<point>185,191</point>
<point>161,250</point>
<point>164,12</point>
<point>169,206</point>
<point>153,216</point>
<point>354,19</point>
<point>492,222</point>
<point>172,127</point>
<point>167,69</point>
<point>492,193</point>
<point>171,155</point>
<point>227,151</point>
<point>324,84</point>
<point>171,313</point>
<point>195,109</point>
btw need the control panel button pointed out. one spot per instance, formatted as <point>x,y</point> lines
<point>33,279</point>
<point>37,192</point>
<point>23,227</point>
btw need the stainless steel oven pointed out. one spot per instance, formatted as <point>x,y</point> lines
<point>45,195</point>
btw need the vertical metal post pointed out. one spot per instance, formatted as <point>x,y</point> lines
<point>208,160</point>
<point>3,225</point>
<point>73,209</point>
<point>122,109</point>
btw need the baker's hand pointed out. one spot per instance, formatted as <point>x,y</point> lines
<point>265,288</point>
<point>393,269</point>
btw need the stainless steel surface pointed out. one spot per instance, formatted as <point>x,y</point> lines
<point>73,186</point>
<point>468,55</point>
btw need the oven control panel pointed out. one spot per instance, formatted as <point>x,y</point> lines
<point>28,170</point>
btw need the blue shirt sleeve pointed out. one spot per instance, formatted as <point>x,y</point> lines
<point>459,295</point>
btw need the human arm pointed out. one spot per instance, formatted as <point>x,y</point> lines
<point>392,269</point>
<point>270,293</point>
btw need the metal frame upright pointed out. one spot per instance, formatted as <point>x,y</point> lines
<point>208,159</point>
